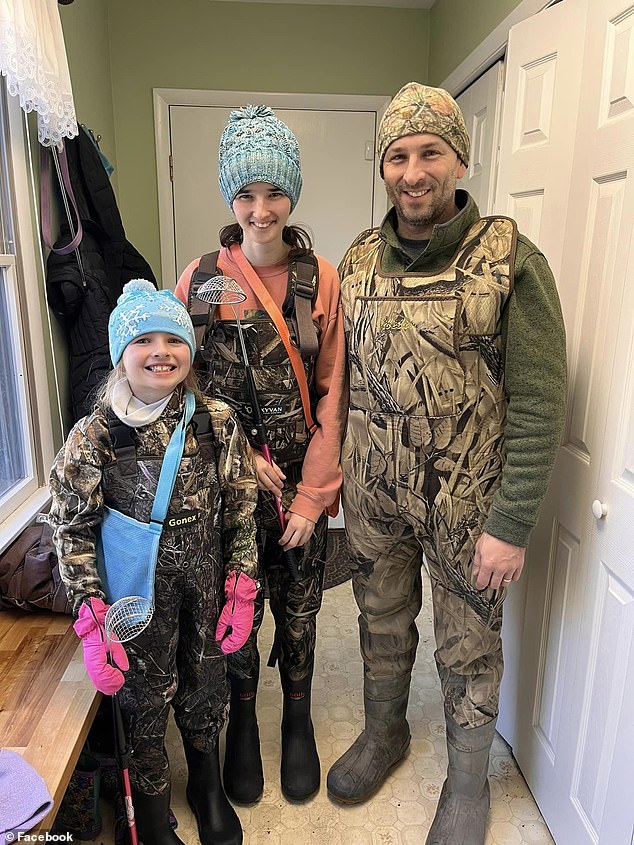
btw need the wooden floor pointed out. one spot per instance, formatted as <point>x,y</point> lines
<point>47,702</point>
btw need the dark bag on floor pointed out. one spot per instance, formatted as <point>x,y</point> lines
<point>29,573</point>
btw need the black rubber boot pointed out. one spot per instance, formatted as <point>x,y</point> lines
<point>218,823</point>
<point>299,771</point>
<point>151,814</point>
<point>363,768</point>
<point>242,771</point>
<point>463,806</point>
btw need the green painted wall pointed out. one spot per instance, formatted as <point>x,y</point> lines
<point>87,41</point>
<point>242,46</point>
<point>456,29</point>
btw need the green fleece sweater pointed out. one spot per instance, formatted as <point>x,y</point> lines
<point>534,351</point>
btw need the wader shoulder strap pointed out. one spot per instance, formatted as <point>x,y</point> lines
<point>203,428</point>
<point>303,282</point>
<point>123,446</point>
<point>201,312</point>
<point>280,324</point>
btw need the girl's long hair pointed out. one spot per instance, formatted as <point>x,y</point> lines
<point>104,391</point>
<point>296,237</point>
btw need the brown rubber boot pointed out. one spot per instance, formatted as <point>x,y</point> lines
<point>365,765</point>
<point>463,806</point>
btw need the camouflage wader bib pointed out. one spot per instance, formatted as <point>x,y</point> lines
<point>294,605</point>
<point>423,455</point>
<point>176,660</point>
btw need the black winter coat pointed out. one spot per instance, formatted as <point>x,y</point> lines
<point>83,304</point>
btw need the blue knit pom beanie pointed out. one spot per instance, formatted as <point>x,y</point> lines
<point>141,309</point>
<point>257,147</point>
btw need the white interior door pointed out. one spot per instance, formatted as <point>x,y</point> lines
<point>575,733</point>
<point>591,800</point>
<point>543,67</point>
<point>481,105</point>
<point>338,171</point>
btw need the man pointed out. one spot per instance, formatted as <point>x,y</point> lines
<point>457,388</point>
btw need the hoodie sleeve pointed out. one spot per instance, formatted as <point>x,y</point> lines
<point>321,470</point>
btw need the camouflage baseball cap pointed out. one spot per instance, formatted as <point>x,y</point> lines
<point>420,108</point>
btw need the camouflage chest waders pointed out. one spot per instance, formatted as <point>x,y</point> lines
<point>294,605</point>
<point>423,455</point>
<point>176,660</point>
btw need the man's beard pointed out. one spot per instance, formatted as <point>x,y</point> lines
<point>429,214</point>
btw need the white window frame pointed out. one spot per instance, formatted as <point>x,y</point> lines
<point>31,333</point>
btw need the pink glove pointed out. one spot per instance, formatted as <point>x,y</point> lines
<point>90,627</point>
<point>236,619</point>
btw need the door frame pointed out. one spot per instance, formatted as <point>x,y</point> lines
<point>164,98</point>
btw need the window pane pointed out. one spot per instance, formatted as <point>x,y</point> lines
<point>13,463</point>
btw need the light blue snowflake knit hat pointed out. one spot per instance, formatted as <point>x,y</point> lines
<point>257,147</point>
<point>141,309</point>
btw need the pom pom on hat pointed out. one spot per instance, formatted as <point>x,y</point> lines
<point>418,109</point>
<point>257,147</point>
<point>141,309</point>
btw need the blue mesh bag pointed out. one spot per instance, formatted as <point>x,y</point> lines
<point>127,550</point>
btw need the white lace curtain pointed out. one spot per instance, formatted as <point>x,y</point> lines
<point>33,59</point>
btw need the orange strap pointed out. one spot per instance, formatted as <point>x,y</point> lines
<point>258,288</point>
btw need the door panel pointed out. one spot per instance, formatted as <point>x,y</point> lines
<point>544,63</point>
<point>481,105</point>
<point>575,735</point>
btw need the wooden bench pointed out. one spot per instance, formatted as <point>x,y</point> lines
<point>47,702</point>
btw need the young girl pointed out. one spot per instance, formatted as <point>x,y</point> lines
<point>208,541</point>
<point>260,180</point>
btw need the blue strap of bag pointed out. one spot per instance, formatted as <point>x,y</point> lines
<point>171,462</point>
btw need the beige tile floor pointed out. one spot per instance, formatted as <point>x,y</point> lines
<point>401,812</point>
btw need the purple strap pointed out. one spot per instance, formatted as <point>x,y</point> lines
<point>45,199</point>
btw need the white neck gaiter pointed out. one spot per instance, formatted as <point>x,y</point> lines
<point>131,410</point>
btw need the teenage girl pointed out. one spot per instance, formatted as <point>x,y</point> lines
<point>260,180</point>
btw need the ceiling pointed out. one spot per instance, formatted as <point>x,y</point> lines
<point>396,4</point>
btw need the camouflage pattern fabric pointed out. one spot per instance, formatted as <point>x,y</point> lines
<point>294,605</point>
<point>419,108</point>
<point>423,455</point>
<point>79,492</point>
<point>176,661</point>
<point>280,400</point>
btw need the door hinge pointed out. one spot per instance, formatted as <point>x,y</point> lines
<point>171,162</point>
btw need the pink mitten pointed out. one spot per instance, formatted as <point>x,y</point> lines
<point>90,627</point>
<point>236,619</point>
